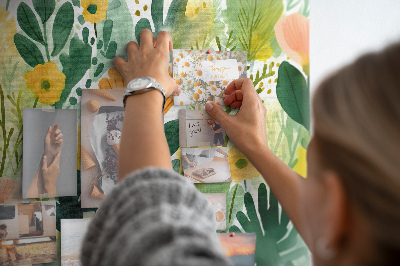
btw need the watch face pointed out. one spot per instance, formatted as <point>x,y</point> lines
<point>141,83</point>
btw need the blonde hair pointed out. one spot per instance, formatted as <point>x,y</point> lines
<point>356,115</point>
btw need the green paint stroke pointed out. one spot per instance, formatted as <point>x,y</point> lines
<point>293,94</point>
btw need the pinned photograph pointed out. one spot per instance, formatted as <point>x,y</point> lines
<point>218,201</point>
<point>203,75</point>
<point>206,165</point>
<point>50,153</point>
<point>198,128</point>
<point>102,114</point>
<point>28,233</point>
<point>239,247</point>
<point>72,234</point>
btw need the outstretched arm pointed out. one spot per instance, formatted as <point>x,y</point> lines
<point>143,141</point>
<point>250,121</point>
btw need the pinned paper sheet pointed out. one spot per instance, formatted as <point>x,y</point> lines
<point>204,76</point>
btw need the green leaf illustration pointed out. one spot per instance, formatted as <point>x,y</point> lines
<point>293,94</point>
<point>62,27</point>
<point>253,22</point>
<point>111,50</point>
<point>28,50</point>
<point>107,30</point>
<point>283,245</point>
<point>171,130</point>
<point>75,64</point>
<point>142,24</point>
<point>175,165</point>
<point>44,8</point>
<point>157,9</point>
<point>234,203</point>
<point>28,22</point>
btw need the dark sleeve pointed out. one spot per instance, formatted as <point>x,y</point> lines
<point>154,217</point>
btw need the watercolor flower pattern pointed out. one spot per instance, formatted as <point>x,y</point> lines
<point>46,81</point>
<point>94,11</point>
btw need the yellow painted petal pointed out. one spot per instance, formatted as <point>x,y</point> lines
<point>301,166</point>
<point>243,169</point>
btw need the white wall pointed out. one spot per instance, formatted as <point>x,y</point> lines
<point>341,30</point>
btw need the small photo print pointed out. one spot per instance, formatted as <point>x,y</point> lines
<point>218,201</point>
<point>198,128</point>
<point>28,233</point>
<point>240,248</point>
<point>72,234</point>
<point>206,165</point>
<point>50,153</point>
<point>102,114</point>
<point>203,75</point>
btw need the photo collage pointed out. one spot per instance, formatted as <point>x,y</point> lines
<point>51,149</point>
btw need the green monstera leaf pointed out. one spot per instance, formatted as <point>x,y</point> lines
<point>171,130</point>
<point>278,244</point>
<point>294,94</point>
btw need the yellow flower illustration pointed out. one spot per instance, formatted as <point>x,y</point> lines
<point>94,11</point>
<point>301,165</point>
<point>241,168</point>
<point>116,80</point>
<point>46,81</point>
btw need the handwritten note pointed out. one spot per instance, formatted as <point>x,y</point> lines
<point>219,70</point>
<point>194,128</point>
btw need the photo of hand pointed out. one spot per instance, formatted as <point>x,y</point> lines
<point>44,182</point>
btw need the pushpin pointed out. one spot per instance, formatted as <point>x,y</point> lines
<point>232,234</point>
<point>208,51</point>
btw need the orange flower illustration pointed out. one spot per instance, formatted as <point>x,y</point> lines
<point>116,80</point>
<point>293,35</point>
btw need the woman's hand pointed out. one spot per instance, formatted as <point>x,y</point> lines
<point>150,59</point>
<point>53,142</point>
<point>246,129</point>
<point>50,174</point>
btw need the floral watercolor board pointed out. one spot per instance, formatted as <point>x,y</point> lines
<point>72,45</point>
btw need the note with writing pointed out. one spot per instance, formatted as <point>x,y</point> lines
<point>198,128</point>
<point>204,76</point>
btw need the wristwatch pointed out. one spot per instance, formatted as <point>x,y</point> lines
<point>142,85</point>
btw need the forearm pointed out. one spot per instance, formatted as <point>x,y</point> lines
<point>36,186</point>
<point>283,181</point>
<point>143,141</point>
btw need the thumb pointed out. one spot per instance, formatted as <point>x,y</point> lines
<point>44,163</point>
<point>217,112</point>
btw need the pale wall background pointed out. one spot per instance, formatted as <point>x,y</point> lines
<point>341,30</point>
